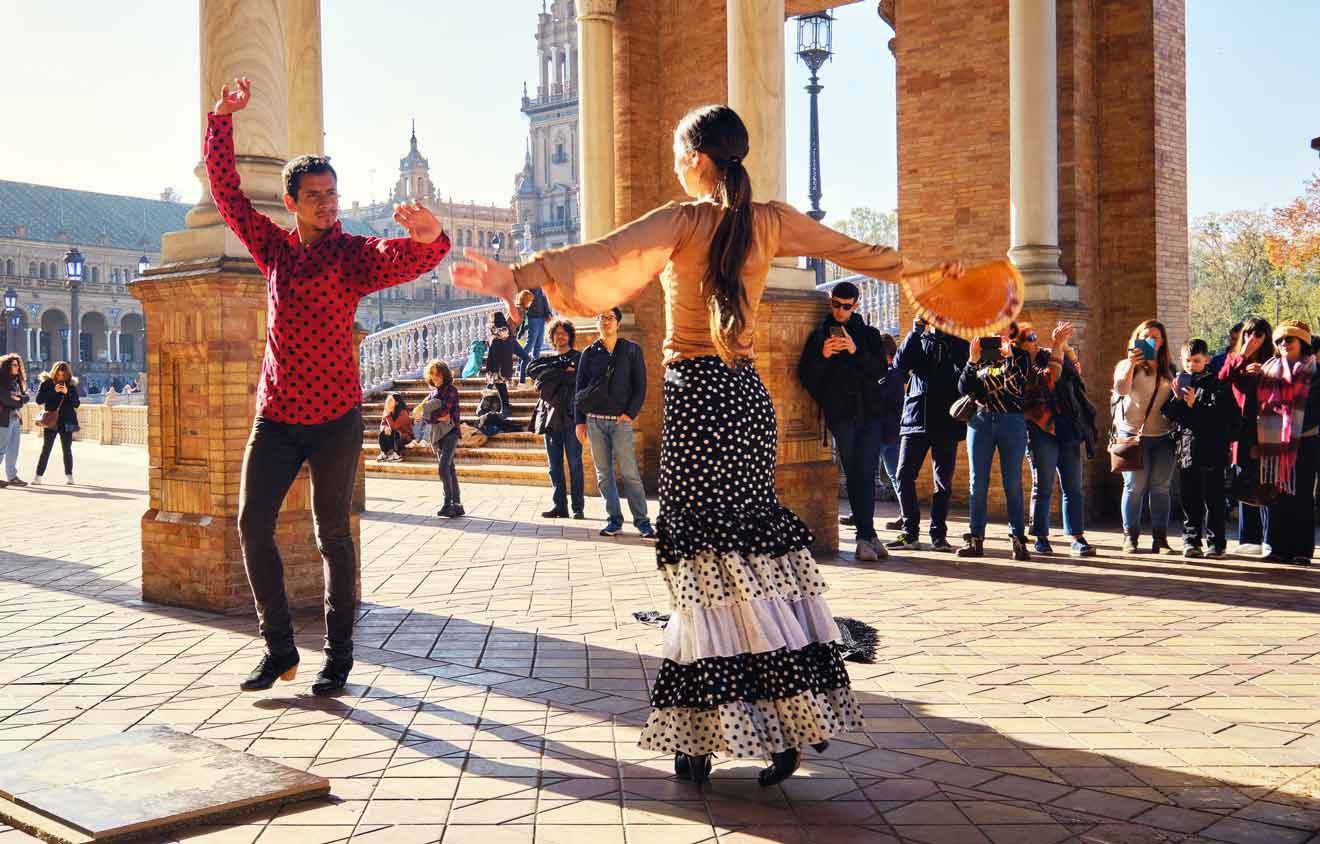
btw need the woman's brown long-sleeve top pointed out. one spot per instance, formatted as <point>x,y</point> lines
<point>673,242</point>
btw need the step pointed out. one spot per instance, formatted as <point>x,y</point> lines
<point>516,474</point>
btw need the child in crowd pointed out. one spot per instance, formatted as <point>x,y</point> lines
<point>1205,420</point>
<point>396,429</point>
<point>440,410</point>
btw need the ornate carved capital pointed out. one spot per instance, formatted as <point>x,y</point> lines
<point>597,10</point>
<point>886,11</point>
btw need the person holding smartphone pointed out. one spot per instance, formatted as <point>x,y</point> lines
<point>997,375</point>
<point>1143,382</point>
<point>842,365</point>
<point>1241,371</point>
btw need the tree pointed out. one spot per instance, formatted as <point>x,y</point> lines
<point>1229,267</point>
<point>870,225</point>
<point>1294,240</point>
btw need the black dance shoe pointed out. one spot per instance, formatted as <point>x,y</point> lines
<point>781,768</point>
<point>271,667</point>
<point>333,675</point>
<point>693,768</point>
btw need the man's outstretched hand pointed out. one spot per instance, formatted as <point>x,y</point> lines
<point>421,224</point>
<point>235,98</point>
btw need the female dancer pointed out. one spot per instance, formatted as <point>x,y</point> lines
<point>750,665</point>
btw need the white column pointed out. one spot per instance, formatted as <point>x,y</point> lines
<point>31,346</point>
<point>1033,120</point>
<point>302,63</point>
<point>756,90</point>
<point>240,38</point>
<point>596,113</point>
<point>109,346</point>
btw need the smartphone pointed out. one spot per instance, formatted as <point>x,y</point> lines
<point>990,349</point>
<point>1182,382</point>
<point>1147,348</point>
<point>836,330</point>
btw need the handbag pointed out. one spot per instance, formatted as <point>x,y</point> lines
<point>1125,449</point>
<point>51,418</point>
<point>963,409</point>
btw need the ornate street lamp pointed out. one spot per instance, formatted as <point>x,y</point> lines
<point>144,264</point>
<point>435,287</point>
<point>815,47</point>
<point>73,268</point>
<point>1315,144</point>
<point>13,313</point>
<point>496,243</point>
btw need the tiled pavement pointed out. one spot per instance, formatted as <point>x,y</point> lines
<point>501,682</point>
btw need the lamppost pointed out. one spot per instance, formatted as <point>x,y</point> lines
<point>435,288</point>
<point>497,243</point>
<point>144,264</point>
<point>11,320</point>
<point>815,46</point>
<point>73,268</point>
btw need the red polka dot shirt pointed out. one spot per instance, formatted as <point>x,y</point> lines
<point>309,373</point>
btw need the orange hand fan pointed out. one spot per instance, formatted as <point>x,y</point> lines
<point>984,300</point>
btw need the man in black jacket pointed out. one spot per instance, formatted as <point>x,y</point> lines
<point>841,366</point>
<point>933,361</point>
<point>553,418</point>
<point>617,371</point>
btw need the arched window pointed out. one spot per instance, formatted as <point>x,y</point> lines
<point>54,270</point>
<point>114,276</point>
<point>481,240</point>
<point>467,237</point>
<point>9,267</point>
<point>32,270</point>
<point>96,275</point>
<point>43,271</point>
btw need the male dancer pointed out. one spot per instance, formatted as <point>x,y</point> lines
<point>309,399</point>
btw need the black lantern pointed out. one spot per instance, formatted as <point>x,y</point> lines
<point>73,265</point>
<point>496,243</point>
<point>435,287</point>
<point>144,264</point>
<point>11,299</point>
<point>815,47</point>
<point>1315,144</point>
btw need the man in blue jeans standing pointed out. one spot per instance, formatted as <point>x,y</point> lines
<point>611,386</point>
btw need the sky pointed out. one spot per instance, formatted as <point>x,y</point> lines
<point>105,97</point>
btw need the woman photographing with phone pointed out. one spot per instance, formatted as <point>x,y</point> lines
<point>1241,370</point>
<point>1143,382</point>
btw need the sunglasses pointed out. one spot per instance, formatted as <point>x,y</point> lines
<point>843,306</point>
<point>1283,341</point>
<point>1029,338</point>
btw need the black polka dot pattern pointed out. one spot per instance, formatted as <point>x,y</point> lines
<point>725,541</point>
<point>751,730</point>
<point>709,682</point>
<point>309,373</point>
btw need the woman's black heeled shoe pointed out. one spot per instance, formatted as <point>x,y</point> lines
<point>693,768</point>
<point>781,768</point>
<point>821,746</point>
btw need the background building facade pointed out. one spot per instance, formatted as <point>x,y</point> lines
<point>546,191</point>
<point>38,224</point>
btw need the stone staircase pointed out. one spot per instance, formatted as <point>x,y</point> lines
<point>517,459</point>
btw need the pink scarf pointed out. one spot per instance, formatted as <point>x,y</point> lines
<point>1281,393</point>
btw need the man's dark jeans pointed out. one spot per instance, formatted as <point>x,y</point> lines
<point>912,450</point>
<point>275,453</point>
<point>859,444</point>
<point>558,445</point>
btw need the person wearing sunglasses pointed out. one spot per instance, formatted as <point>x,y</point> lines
<point>1241,371</point>
<point>842,365</point>
<point>1286,426</point>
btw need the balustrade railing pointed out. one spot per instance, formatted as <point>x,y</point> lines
<point>402,351</point>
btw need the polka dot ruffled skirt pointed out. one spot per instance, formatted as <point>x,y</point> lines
<point>751,662</point>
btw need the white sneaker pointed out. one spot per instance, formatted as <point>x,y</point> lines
<point>396,457</point>
<point>36,480</point>
<point>866,551</point>
<point>383,457</point>
<point>68,480</point>
<point>1247,550</point>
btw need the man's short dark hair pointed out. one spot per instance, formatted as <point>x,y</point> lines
<point>618,314</point>
<point>303,164</point>
<point>845,290</point>
<point>1236,329</point>
<point>1196,346</point>
<point>567,325</point>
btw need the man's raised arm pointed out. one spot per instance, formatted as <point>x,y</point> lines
<point>257,231</point>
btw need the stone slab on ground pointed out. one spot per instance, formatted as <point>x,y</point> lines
<point>145,781</point>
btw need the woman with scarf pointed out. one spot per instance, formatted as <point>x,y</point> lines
<point>752,664</point>
<point>1241,370</point>
<point>1286,425</point>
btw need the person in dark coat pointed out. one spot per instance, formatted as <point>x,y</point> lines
<point>1205,420</point>
<point>841,366</point>
<point>12,399</point>
<point>553,419</point>
<point>499,355</point>
<point>58,392</point>
<point>932,362</point>
<point>892,384</point>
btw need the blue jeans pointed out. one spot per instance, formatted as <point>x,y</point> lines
<point>10,439</point>
<point>859,444</point>
<point>612,445</point>
<point>1048,458</point>
<point>535,343</point>
<point>559,444</point>
<point>987,433</point>
<point>889,457</point>
<point>1253,524</point>
<point>1153,478</point>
